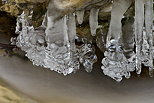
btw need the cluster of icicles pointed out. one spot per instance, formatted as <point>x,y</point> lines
<point>52,45</point>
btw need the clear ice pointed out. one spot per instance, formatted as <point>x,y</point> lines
<point>53,45</point>
<point>80,16</point>
<point>139,22</point>
<point>149,34</point>
<point>93,20</point>
<point>115,64</point>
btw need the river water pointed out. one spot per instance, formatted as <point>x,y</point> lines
<point>47,86</point>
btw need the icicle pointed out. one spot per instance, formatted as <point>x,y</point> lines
<point>115,64</point>
<point>71,24</point>
<point>44,23</point>
<point>55,31</point>
<point>119,8</point>
<point>139,21</point>
<point>65,28</point>
<point>148,27</point>
<point>80,16</point>
<point>93,20</point>
<point>50,24</point>
<point>61,41</point>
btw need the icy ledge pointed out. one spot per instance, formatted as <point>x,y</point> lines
<point>54,47</point>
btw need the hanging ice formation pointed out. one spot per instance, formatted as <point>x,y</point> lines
<point>53,46</point>
<point>144,37</point>
<point>80,16</point>
<point>116,64</point>
<point>93,20</point>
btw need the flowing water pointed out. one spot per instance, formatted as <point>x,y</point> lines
<point>47,86</point>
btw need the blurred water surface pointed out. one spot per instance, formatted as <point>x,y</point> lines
<point>47,86</point>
